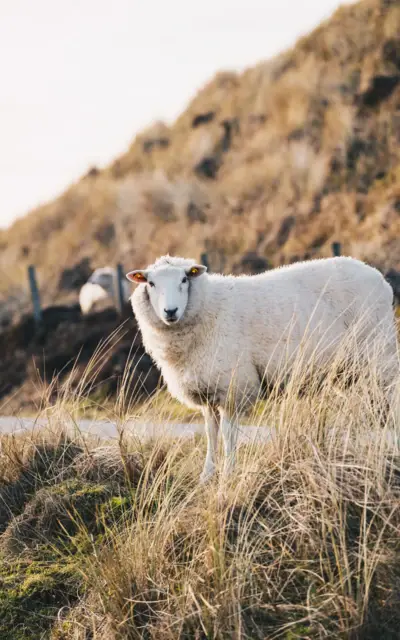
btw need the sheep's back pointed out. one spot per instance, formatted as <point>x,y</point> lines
<point>305,311</point>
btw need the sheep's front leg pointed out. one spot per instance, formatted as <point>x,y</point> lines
<point>211,426</point>
<point>229,428</point>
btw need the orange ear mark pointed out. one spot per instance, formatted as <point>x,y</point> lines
<point>136,276</point>
<point>196,271</point>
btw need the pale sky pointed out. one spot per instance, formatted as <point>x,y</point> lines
<point>79,78</point>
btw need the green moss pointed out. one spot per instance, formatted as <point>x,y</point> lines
<point>52,537</point>
<point>47,463</point>
<point>32,593</point>
<point>116,510</point>
<point>297,632</point>
<point>56,514</point>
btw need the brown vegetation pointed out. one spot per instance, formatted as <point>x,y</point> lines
<point>116,540</point>
<point>278,161</point>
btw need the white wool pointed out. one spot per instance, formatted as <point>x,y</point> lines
<point>237,332</point>
<point>89,295</point>
<point>100,286</point>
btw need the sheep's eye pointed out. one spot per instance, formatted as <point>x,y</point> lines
<point>152,284</point>
<point>184,280</point>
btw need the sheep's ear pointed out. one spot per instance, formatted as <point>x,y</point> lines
<point>196,270</point>
<point>139,277</point>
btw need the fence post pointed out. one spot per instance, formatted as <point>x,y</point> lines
<point>118,289</point>
<point>336,249</point>
<point>204,261</point>
<point>37,311</point>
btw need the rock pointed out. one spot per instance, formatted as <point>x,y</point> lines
<point>381,88</point>
<point>203,118</point>
<point>208,167</point>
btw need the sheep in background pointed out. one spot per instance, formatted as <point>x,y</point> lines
<point>100,287</point>
<point>205,331</point>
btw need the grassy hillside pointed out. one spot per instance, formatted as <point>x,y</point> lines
<point>279,160</point>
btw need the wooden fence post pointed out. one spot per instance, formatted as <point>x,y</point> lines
<point>37,311</point>
<point>336,249</point>
<point>118,289</point>
<point>204,261</point>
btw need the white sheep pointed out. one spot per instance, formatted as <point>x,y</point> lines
<point>218,338</point>
<point>100,286</point>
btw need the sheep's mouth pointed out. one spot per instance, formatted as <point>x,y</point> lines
<point>170,321</point>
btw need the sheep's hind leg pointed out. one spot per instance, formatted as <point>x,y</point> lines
<point>229,428</point>
<point>211,426</point>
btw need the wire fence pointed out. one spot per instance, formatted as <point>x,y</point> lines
<point>118,291</point>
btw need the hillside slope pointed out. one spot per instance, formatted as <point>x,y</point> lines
<point>279,160</point>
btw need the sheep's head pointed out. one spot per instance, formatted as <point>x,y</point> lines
<point>168,287</point>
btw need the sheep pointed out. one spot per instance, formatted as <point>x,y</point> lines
<point>218,339</point>
<point>99,287</point>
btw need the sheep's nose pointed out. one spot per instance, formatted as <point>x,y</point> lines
<point>170,313</point>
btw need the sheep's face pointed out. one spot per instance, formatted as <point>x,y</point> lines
<point>168,289</point>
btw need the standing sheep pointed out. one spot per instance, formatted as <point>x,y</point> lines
<point>100,286</point>
<point>205,331</point>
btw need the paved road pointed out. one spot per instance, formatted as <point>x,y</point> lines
<point>146,430</point>
<point>143,430</point>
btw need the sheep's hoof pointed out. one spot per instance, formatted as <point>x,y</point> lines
<point>206,475</point>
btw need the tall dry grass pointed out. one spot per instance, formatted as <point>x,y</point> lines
<point>115,538</point>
